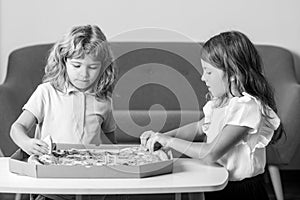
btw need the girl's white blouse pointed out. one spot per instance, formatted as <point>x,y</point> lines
<point>248,157</point>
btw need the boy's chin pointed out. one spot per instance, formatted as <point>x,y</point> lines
<point>83,87</point>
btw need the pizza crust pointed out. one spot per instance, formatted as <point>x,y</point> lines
<point>48,159</point>
<point>33,159</point>
<point>161,154</point>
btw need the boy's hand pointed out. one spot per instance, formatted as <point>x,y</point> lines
<point>35,146</point>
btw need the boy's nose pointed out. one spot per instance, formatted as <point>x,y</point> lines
<point>84,72</point>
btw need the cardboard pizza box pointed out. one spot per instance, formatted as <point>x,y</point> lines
<point>18,164</point>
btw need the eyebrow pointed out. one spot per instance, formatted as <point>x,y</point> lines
<point>79,62</point>
<point>75,61</point>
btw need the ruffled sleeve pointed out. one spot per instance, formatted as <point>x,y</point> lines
<point>247,111</point>
<point>266,131</point>
<point>244,111</point>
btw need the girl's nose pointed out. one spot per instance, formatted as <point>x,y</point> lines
<point>202,77</point>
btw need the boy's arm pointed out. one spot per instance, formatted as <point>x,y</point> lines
<point>19,133</point>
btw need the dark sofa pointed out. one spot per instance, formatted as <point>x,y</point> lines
<point>159,88</point>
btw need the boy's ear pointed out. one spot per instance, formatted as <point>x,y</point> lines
<point>102,70</point>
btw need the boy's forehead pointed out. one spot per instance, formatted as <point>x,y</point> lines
<point>87,58</point>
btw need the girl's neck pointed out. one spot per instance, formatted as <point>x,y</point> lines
<point>221,102</point>
<point>224,100</point>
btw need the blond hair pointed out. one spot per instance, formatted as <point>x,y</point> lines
<point>79,42</point>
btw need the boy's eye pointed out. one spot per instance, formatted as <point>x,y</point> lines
<point>75,64</point>
<point>93,66</point>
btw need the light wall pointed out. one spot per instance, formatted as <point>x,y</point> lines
<point>274,22</point>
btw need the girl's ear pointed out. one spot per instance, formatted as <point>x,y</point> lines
<point>232,78</point>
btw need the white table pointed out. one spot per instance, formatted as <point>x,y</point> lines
<point>189,176</point>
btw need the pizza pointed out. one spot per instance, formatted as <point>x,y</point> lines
<point>131,156</point>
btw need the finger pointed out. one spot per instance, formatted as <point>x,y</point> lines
<point>143,140</point>
<point>145,136</point>
<point>148,144</point>
<point>45,148</point>
<point>40,149</point>
<point>152,143</point>
<point>148,133</point>
<point>34,152</point>
<point>41,143</point>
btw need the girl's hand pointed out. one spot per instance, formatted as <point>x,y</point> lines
<point>35,146</point>
<point>162,139</point>
<point>146,136</point>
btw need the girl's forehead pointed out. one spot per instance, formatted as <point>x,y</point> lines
<point>209,67</point>
<point>206,65</point>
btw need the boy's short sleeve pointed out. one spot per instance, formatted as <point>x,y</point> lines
<point>109,124</point>
<point>36,104</point>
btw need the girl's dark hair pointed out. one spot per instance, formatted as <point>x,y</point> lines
<point>236,55</point>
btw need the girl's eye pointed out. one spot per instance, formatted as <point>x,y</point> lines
<point>208,73</point>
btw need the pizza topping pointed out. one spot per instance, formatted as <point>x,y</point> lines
<point>127,156</point>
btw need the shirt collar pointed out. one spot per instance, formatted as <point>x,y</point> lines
<point>70,89</point>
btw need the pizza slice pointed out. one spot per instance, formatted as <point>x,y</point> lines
<point>49,142</point>
<point>33,159</point>
<point>48,159</point>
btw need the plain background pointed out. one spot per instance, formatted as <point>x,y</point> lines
<point>29,22</point>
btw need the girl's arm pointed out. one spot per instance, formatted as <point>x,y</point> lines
<point>189,132</point>
<point>19,133</point>
<point>209,152</point>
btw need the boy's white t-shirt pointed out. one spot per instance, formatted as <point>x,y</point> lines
<point>248,157</point>
<point>71,116</point>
